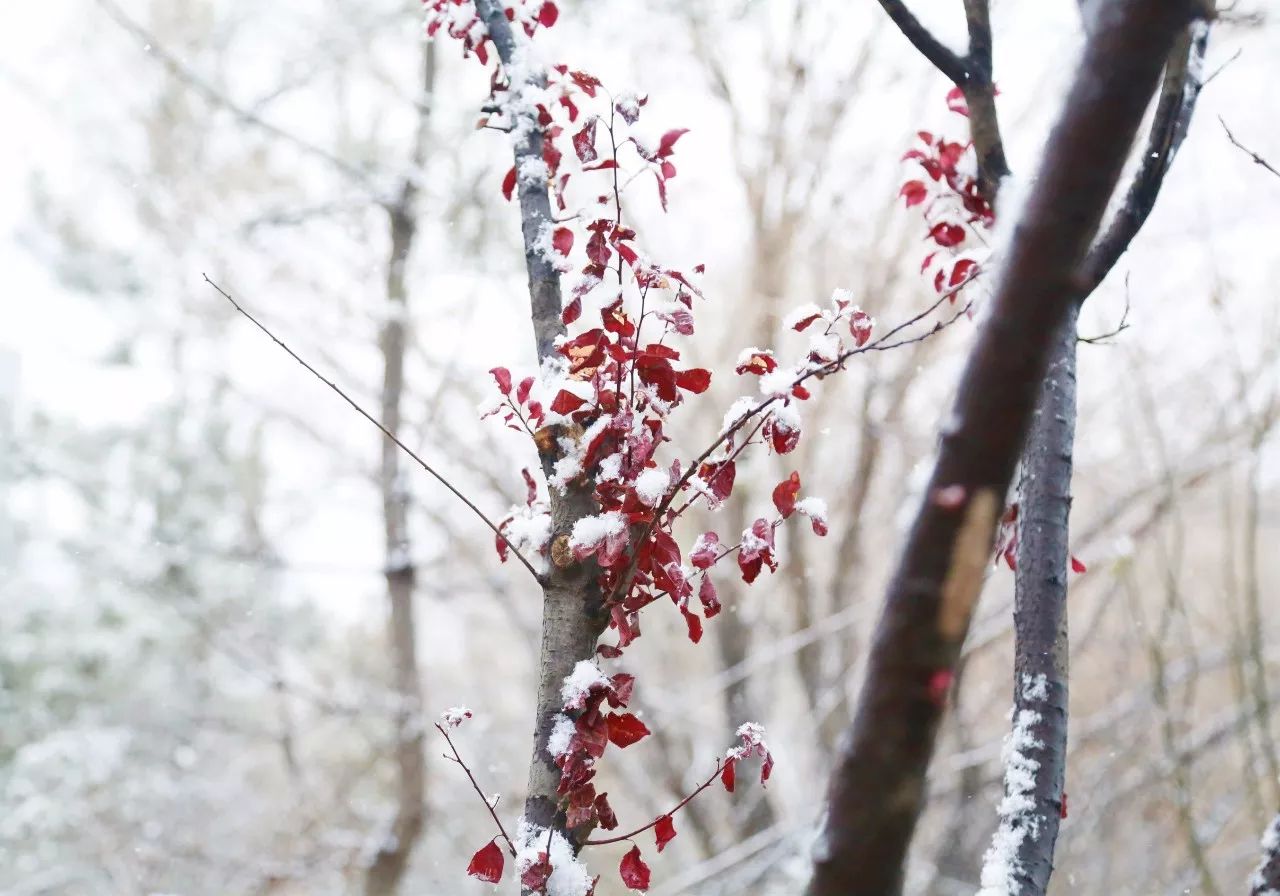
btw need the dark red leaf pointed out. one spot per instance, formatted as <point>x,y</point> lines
<point>509,183</point>
<point>801,325</point>
<point>1077,566</point>
<point>562,240</point>
<point>625,729</point>
<point>695,380</point>
<point>487,863</point>
<point>584,142</point>
<point>522,391</point>
<point>664,831</point>
<point>759,362</point>
<point>860,326</point>
<point>707,594</point>
<point>667,144</point>
<point>705,551</point>
<point>785,493</point>
<point>566,402</point>
<point>571,312</point>
<point>633,870</point>
<point>604,812</point>
<point>915,192</point>
<point>548,14</point>
<point>727,776</point>
<point>956,101</point>
<point>766,768</point>
<point>694,625</point>
<point>947,235</point>
<point>531,487</point>
<point>964,267</point>
<point>503,377</point>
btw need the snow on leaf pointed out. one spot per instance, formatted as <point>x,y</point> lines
<point>455,716</point>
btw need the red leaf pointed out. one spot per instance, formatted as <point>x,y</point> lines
<point>522,391</point>
<point>956,101</point>
<point>503,377</point>
<point>860,326</point>
<point>784,495</point>
<point>719,478</point>
<point>548,14</point>
<point>531,487</point>
<point>633,870</point>
<point>961,271</point>
<point>667,144</point>
<point>766,768</point>
<point>604,812</point>
<point>726,776</point>
<point>939,686</point>
<point>1077,566</point>
<point>707,594</point>
<point>760,362</point>
<point>562,240</point>
<point>571,312</point>
<point>665,831</point>
<point>694,380</point>
<point>803,324</point>
<point>947,235</point>
<point>566,402</point>
<point>625,729</point>
<point>487,863</point>
<point>705,550</point>
<point>509,183</point>
<point>1062,813</point>
<point>584,142</point>
<point>694,625</point>
<point>915,192</point>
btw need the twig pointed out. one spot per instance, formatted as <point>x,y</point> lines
<point>386,432</point>
<point>201,86</point>
<point>674,809</point>
<point>1257,159</point>
<point>878,345</point>
<point>1101,338</point>
<point>457,757</point>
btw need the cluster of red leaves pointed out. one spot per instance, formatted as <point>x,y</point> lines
<point>458,19</point>
<point>950,199</point>
<point>605,412</point>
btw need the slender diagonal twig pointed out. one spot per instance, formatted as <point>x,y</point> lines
<point>386,432</point>
<point>1257,159</point>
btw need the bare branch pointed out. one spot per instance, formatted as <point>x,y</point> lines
<point>211,93</point>
<point>1257,159</point>
<point>363,413</point>
<point>944,59</point>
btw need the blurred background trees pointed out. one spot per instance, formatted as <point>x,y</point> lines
<point>197,689</point>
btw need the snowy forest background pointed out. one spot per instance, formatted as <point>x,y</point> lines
<point>196,695</point>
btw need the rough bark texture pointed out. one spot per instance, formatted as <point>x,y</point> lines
<point>392,858</point>
<point>1040,617</point>
<point>572,616</point>
<point>1039,604</point>
<point>877,789</point>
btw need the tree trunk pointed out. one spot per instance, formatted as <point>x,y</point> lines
<point>877,790</point>
<point>392,859</point>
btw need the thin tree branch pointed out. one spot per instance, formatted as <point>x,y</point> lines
<point>1257,159</point>
<point>363,413</point>
<point>944,59</point>
<point>877,789</point>
<point>201,86</point>
<point>457,757</point>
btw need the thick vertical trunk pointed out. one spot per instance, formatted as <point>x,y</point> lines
<point>878,786</point>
